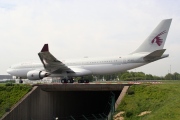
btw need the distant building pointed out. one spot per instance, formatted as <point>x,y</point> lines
<point>2,77</point>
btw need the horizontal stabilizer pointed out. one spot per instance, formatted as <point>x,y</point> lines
<point>154,55</point>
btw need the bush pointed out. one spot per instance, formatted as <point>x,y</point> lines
<point>129,114</point>
<point>9,84</point>
<point>7,109</point>
<point>130,92</point>
<point>10,94</point>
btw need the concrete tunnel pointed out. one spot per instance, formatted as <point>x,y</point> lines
<point>64,101</point>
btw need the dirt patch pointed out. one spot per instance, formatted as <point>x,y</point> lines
<point>119,116</point>
<point>144,113</point>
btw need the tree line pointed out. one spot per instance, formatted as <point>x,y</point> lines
<point>131,76</point>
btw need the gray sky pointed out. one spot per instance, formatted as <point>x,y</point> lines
<point>78,28</point>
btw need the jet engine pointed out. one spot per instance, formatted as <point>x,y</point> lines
<point>37,75</point>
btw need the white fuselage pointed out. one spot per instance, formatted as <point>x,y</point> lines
<point>85,66</point>
<point>149,51</point>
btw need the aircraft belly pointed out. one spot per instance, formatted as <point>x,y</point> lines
<point>111,68</point>
<point>101,69</point>
<point>129,66</point>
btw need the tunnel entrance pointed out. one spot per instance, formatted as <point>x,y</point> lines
<point>82,104</point>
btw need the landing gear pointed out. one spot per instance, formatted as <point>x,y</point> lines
<point>63,81</point>
<point>20,80</point>
<point>70,80</point>
<point>83,81</point>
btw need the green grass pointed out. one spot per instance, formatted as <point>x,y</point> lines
<point>2,84</point>
<point>162,99</point>
<point>9,95</point>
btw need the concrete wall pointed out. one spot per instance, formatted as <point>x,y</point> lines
<point>43,105</point>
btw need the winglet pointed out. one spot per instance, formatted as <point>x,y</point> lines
<point>45,48</point>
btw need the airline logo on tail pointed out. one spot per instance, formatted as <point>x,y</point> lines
<point>157,39</point>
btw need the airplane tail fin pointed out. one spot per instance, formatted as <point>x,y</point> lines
<point>155,41</point>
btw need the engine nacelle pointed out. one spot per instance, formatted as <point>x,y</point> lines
<point>37,75</point>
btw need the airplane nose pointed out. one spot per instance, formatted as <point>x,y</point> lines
<point>9,70</point>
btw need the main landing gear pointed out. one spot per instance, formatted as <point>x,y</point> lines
<point>64,80</point>
<point>83,81</point>
<point>70,80</point>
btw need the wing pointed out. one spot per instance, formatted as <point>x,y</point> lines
<point>51,64</point>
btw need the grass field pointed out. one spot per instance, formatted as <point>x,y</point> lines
<point>9,95</point>
<point>162,100</point>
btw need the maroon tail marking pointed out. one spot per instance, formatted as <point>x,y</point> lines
<point>157,39</point>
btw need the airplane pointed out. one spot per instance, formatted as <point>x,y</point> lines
<point>149,51</point>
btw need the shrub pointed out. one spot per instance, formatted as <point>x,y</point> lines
<point>9,84</point>
<point>7,109</point>
<point>130,92</point>
<point>129,114</point>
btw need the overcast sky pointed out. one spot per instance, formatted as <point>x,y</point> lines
<point>93,28</point>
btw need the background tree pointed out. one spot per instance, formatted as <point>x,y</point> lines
<point>149,77</point>
<point>169,76</point>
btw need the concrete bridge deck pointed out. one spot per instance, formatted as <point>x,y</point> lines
<point>82,87</point>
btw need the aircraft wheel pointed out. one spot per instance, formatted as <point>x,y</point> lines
<point>62,81</point>
<point>20,81</point>
<point>68,81</point>
<point>71,81</point>
<point>79,81</point>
